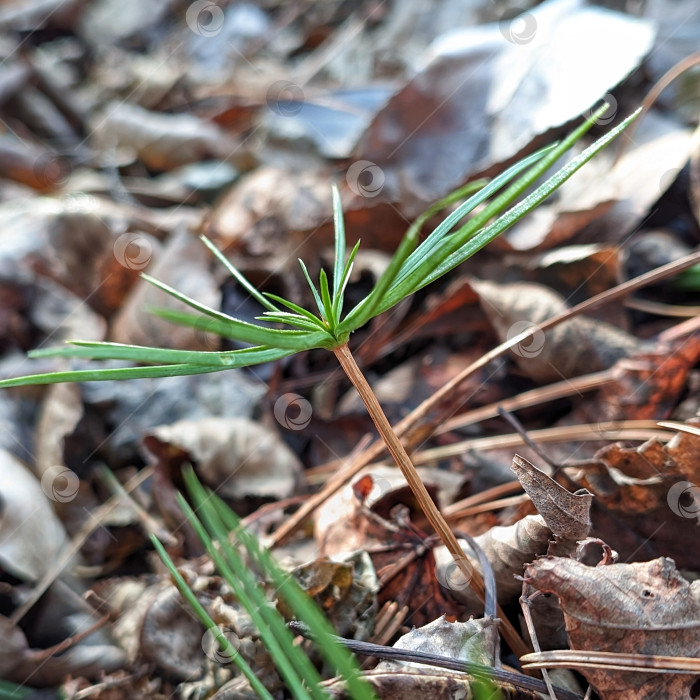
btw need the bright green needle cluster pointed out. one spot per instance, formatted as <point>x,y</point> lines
<point>414,265</point>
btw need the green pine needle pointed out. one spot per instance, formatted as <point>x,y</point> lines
<point>414,265</point>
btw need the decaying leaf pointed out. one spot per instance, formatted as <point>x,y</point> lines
<point>377,513</point>
<point>344,523</point>
<point>161,141</point>
<point>429,685</point>
<point>468,642</point>
<point>171,637</point>
<point>472,641</point>
<point>574,347</point>
<point>236,456</point>
<point>646,608</point>
<point>563,520</point>
<point>31,536</point>
<point>567,514</point>
<point>649,384</point>
<point>21,664</point>
<point>535,61</point>
<point>508,549</point>
<point>649,494</point>
<point>345,590</point>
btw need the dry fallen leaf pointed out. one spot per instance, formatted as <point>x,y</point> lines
<point>162,141</point>
<point>646,608</point>
<point>648,495</point>
<point>237,457</point>
<point>31,536</point>
<point>520,77</point>
<point>567,514</point>
<point>564,519</point>
<point>572,348</point>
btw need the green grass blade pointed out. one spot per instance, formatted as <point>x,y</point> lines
<point>205,619</point>
<point>364,310</point>
<point>302,605</point>
<point>367,309</point>
<point>231,327</point>
<point>475,235</point>
<point>12,691</point>
<point>245,332</point>
<point>234,328</point>
<point>339,228</point>
<point>481,238</point>
<point>238,275</point>
<point>432,241</point>
<point>289,659</point>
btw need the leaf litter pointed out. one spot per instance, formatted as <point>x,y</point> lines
<point>129,131</point>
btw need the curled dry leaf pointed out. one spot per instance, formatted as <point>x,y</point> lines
<point>567,514</point>
<point>237,457</point>
<point>162,141</point>
<point>31,536</point>
<point>574,347</point>
<point>563,515</point>
<point>508,549</point>
<point>648,497</point>
<point>646,608</point>
<point>61,411</point>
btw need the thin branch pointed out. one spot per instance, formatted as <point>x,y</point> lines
<point>418,657</point>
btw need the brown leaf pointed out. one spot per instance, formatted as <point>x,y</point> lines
<point>566,514</point>
<point>237,457</point>
<point>508,549</point>
<point>455,93</point>
<point>646,608</point>
<point>649,384</point>
<point>650,496</point>
<point>574,347</point>
<point>162,141</point>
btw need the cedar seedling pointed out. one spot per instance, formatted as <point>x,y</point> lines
<point>414,265</point>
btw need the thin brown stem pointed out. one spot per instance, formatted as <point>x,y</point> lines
<point>426,503</point>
